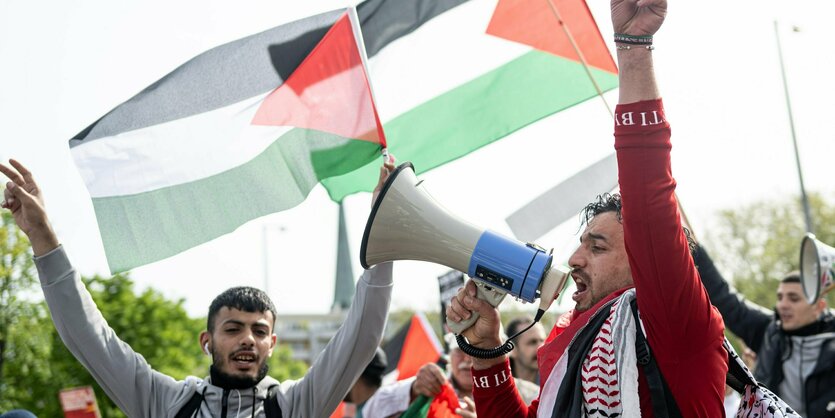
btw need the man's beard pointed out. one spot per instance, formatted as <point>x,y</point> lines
<point>228,381</point>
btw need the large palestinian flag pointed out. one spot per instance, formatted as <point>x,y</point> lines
<point>238,132</point>
<point>451,76</point>
<point>249,128</point>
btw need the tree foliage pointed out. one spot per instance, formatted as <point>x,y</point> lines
<point>757,244</point>
<point>34,363</point>
<point>19,349</point>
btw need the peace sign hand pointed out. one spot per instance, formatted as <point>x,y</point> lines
<point>23,198</point>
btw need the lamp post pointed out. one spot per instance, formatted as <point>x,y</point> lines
<point>807,213</point>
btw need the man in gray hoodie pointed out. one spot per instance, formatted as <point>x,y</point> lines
<point>795,344</point>
<point>239,336</point>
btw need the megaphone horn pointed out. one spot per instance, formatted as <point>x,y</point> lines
<point>406,223</point>
<point>817,267</point>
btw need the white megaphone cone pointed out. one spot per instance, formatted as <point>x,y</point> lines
<point>406,223</point>
<point>817,267</point>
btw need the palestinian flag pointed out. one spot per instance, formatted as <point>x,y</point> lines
<point>414,345</point>
<point>451,76</point>
<point>243,130</point>
<point>443,405</point>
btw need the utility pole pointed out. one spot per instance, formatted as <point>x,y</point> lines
<point>807,213</point>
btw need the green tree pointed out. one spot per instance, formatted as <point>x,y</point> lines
<point>23,349</point>
<point>34,363</point>
<point>282,365</point>
<point>153,326</point>
<point>757,244</point>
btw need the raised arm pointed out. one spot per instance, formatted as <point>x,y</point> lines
<point>125,375</point>
<point>744,318</point>
<point>684,331</point>
<point>345,357</point>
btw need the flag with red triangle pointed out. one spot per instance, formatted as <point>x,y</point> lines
<point>238,132</point>
<point>414,345</point>
<point>452,76</point>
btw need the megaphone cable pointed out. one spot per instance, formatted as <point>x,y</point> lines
<point>487,353</point>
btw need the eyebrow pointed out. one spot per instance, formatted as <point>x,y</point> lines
<point>593,236</point>
<point>789,293</point>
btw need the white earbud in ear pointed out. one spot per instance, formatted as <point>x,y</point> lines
<point>206,349</point>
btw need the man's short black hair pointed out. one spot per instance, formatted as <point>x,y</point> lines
<point>792,277</point>
<point>242,298</point>
<point>373,373</point>
<point>517,324</point>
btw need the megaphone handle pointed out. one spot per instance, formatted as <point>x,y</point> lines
<point>483,292</point>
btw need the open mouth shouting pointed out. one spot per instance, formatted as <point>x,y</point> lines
<point>581,285</point>
<point>244,360</point>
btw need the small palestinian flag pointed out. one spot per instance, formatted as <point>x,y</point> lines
<point>241,131</point>
<point>443,405</point>
<point>414,345</point>
<point>452,76</point>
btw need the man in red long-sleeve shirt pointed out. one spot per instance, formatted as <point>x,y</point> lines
<point>635,241</point>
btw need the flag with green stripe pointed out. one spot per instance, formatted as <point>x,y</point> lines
<point>442,405</point>
<point>243,130</point>
<point>452,76</point>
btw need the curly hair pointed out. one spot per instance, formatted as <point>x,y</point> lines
<point>611,202</point>
<point>606,202</point>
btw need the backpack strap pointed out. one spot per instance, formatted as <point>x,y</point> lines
<point>271,407</point>
<point>663,403</point>
<point>191,406</point>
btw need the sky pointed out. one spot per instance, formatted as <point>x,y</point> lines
<point>65,64</point>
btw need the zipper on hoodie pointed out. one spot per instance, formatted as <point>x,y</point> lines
<point>224,403</point>
<point>802,382</point>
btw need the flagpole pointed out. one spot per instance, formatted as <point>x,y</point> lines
<point>579,55</point>
<point>357,29</point>
<point>807,213</point>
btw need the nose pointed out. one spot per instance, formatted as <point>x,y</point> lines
<point>248,339</point>
<point>577,260</point>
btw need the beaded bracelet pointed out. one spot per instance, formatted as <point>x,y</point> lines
<point>633,39</point>
<point>628,47</point>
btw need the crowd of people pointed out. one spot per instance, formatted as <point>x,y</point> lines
<point>636,280</point>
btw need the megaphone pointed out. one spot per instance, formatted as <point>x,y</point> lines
<point>817,267</point>
<point>406,223</point>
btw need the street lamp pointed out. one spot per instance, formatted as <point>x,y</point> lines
<point>807,213</point>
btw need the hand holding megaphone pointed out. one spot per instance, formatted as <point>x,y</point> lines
<point>406,223</point>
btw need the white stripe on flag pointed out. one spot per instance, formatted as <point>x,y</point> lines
<point>175,152</point>
<point>460,48</point>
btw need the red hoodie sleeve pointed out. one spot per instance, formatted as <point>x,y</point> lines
<point>684,331</point>
<point>495,394</point>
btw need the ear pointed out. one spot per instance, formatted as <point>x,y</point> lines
<point>273,343</point>
<point>205,342</point>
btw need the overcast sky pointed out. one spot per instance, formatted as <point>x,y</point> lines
<point>64,64</point>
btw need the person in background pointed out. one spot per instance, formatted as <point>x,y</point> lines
<point>368,383</point>
<point>794,345</point>
<point>523,358</point>
<point>18,413</point>
<point>392,400</point>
